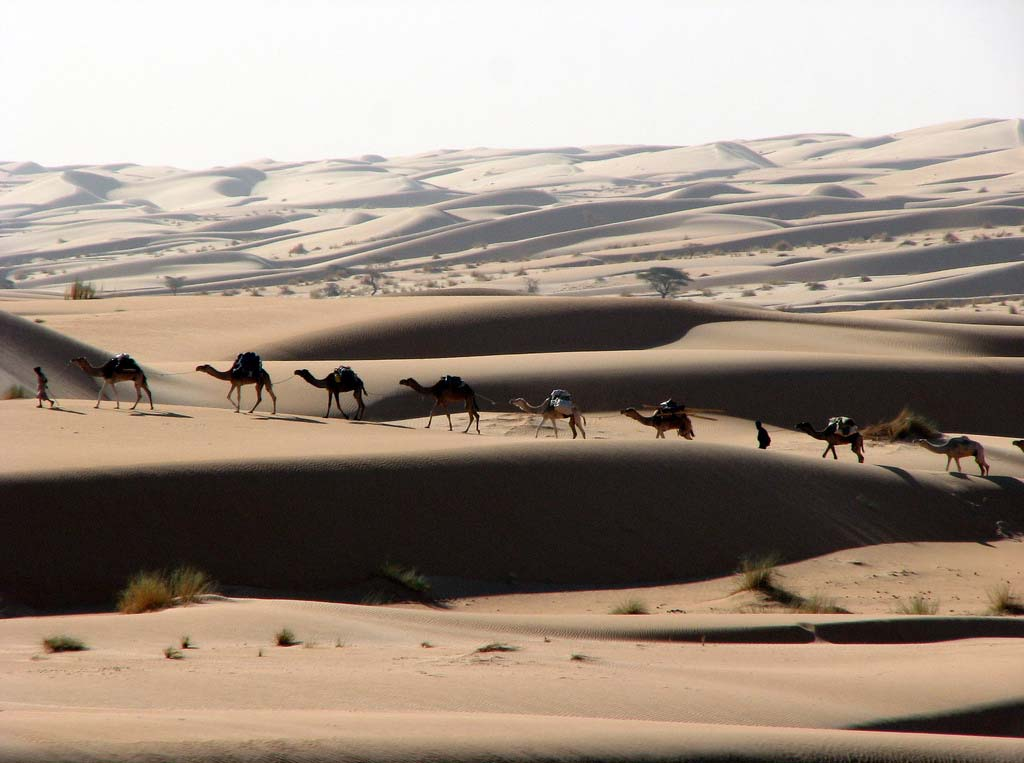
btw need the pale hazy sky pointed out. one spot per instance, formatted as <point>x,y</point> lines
<point>195,84</point>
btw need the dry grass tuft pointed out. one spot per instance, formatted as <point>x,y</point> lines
<point>1003,601</point>
<point>80,290</point>
<point>152,591</point>
<point>907,425</point>
<point>630,607</point>
<point>286,637</point>
<point>757,573</point>
<point>919,604</point>
<point>496,646</point>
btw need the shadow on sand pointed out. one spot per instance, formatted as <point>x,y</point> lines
<point>299,419</point>
<point>161,414</point>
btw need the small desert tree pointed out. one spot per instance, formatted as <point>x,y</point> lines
<point>174,283</point>
<point>373,278</point>
<point>665,281</point>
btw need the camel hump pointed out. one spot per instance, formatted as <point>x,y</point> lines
<point>561,401</point>
<point>343,373</point>
<point>842,425</point>
<point>670,406</point>
<point>120,362</point>
<point>452,381</point>
<point>247,364</point>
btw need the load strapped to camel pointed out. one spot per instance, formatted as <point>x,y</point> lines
<point>120,363</point>
<point>561,401</point>
<point>669,408</point>
<point>343,374</point>
<point>247,366</point>
<point>842,425</point>
<point>453,382</point>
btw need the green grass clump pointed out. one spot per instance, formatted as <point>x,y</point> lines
<point>1003,601</point>
<point>497,646</point>
<point>629,607</point>
<point>406,577</point>
<point>63,643</point>
<point>919,604</point>
<point>173,654</point>
<point>285,637</point>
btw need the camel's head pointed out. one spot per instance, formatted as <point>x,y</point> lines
<point>1018,443</point>
<point>803,426</point>
<point>631,412</point>
<point>405,382</point>
<point>518,402</point>
<point>202,368</point>
<point>78,361</point>
<point>301,372</point>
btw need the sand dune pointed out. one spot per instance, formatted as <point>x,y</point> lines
<point>527,542</point>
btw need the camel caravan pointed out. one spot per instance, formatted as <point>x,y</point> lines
<point>453,391</point>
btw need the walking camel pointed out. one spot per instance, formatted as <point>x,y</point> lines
<point>448,390</point>
<point>118,369</point>
<point>549,412</point>
<point>341,379</point>
<point>238,380</point>
<point>839,431</point>
<point>956,448</point>
<point>663,422</point>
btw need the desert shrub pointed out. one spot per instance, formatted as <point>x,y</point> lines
<point>951,238</point>
<point>918,604</point>
<point>749,293</point>
<point>186,642</point>
<point>171,653</point>
<point>14,392</point>
<point>188,585</point>
<point>908,242</point>
<point>580,658</point>
<point>297,249</point>
<point>1003,601</point>
<point>630,607</point>
<point>285,290</point>
<point>406,577</point>
<point>496,646</point>
<point>865,279</point>
<point>145,592</point>
<point>286,637</point>
<point>664,281</point>
<point>783,246</point>
<point>80,290</point>
<point>532,286</point>
<point>151,591</point>
<point>815,286</point>
<point>1012,310</point>
<point>757,573</point>
<point>63,643</point>
<point>907,425</point>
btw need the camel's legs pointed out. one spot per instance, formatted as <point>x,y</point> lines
<point>660,435</point>
<point>259,397</point>
<point>100,397</point>
<point>833,449</point>
<point>431,419</point>
<point>572,428</point>
<point>539,426</point>
<point>149,394</point>
<point>273,397</point>
<point>474,416</point>
<point>328,414</point>
<point>238,401</point>
<point>117,397</point>
<point>358,395</point>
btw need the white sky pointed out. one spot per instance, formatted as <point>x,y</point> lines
<point>196,84</point>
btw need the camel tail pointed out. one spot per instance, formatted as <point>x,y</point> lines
<point>477,394</point>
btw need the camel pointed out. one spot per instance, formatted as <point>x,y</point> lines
<point>663,422</point>
<point>1018,443</point>
<point>763,438</point>
<point>261,380</point>
<point>341,379</point>
<point>112,374</point>
<point>832,435</point>
<point>549,413</point>
<point>447,390</point>
<point>956,448</point>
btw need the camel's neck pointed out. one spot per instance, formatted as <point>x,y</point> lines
<point>646,420</point>
<point>933,448</point>
<point>533,408</point>
<point>90,369</point>
<point>223,375</point>
<point>417,387</point>
<point>816,434</point>
<point>321,383</point>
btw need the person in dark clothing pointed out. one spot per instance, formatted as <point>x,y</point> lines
<point>42,392</point>
<point>763,438</point>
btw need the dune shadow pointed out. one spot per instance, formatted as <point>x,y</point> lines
<point>298,419</point>
<point>903,474</point>
<point>162,414</point>
<point>66,410</point>
<point>381,424</point>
